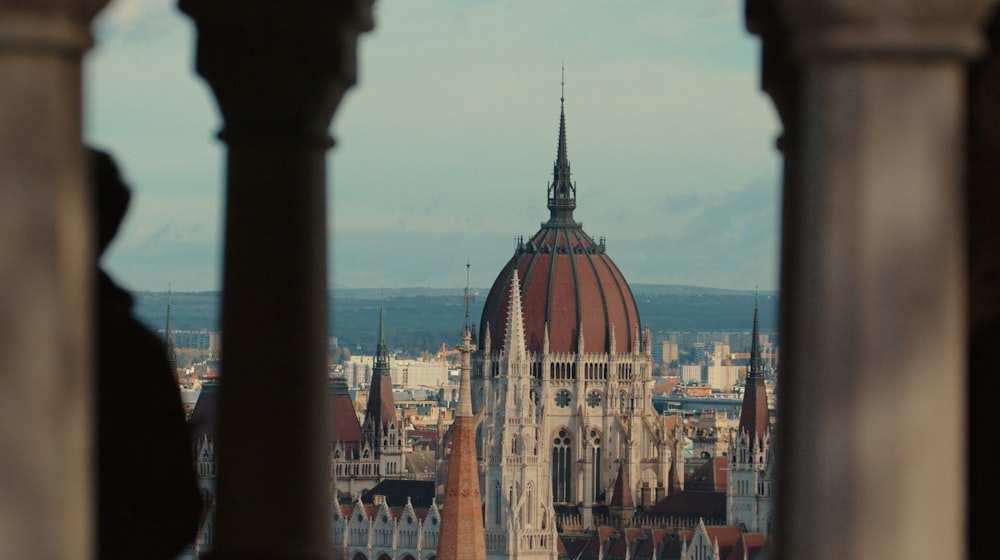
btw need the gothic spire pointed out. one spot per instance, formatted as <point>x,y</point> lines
<point>469,298</point>
<point>381,410</point>
<point>622,493</point>
<point>754,415</point>
<point>562,192</point>
<point>514,340</point>
<point>466,348</point>
<point>381,353</point>
<point>754,368</point>
<point>168,336</point>
<point>462,535</point>
<point>622,506</point>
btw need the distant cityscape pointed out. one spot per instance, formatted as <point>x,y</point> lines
<point>700,376</point>
<point>552,424</point>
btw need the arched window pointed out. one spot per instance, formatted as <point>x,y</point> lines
<point>529,505</point>
<point>562,463</point>
<point>498,505</point>
<point>595,462</point>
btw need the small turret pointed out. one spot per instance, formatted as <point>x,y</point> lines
<point>514,341</point>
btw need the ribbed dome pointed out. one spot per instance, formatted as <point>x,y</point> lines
<point>567,280</point>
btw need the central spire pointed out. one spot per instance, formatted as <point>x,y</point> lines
<point>562,192</point>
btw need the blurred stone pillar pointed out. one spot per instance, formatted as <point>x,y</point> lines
<point>278,71</point>
<point>873,434</point>
<point>780,79</point>
<point>46,283</point>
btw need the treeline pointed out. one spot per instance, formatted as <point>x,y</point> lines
<point>422,322</point>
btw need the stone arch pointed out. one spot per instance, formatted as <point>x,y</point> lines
<point>359,556</point>
<point>648,481</point>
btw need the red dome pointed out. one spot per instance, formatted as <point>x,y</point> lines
<point>566,280</point>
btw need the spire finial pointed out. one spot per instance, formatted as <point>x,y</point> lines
<point>468,297</point>
<point>562,191</point>
<point>754,367</point>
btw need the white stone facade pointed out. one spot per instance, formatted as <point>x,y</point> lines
<point>555,428</point>
<point>749,485</point>
<point>376,531</point>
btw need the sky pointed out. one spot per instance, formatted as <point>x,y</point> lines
<point>445,146</point>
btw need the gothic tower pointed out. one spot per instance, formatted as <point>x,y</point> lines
<point>751,461</point>
<point>562,375</point>
<point>462,535</point>
<point>381,428</point>
<point>520,519</point>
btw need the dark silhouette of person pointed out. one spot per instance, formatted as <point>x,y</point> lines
<point>149,505</point>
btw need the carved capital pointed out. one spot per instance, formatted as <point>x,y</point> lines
<point>949,28</point>
<point>278,69</point>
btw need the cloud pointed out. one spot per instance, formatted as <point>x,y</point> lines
<point>446,144</point>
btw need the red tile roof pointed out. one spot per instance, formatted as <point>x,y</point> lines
<point>344,425</point>
<point>691,505</point>
<point>712,476</point>
<point>462,532</point>
<point>748,547</point>
<point>622,494</point>
<point>566,280</point>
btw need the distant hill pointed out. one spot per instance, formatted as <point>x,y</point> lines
<point>682,290</point>
<point>424,318</point>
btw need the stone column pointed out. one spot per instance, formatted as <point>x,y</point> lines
<point>46,283</point>
<point>278,71</point>
<point>780,79</point>
<point>872,445</point>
